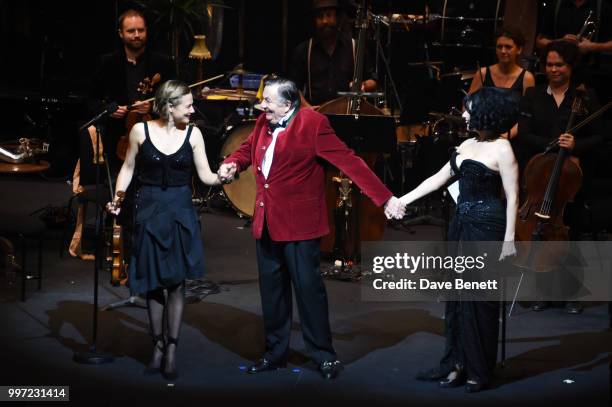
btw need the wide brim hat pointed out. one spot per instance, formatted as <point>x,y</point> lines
<point>318,5</point>
<point>493,109</point>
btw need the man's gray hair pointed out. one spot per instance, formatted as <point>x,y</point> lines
<point>287,90</point>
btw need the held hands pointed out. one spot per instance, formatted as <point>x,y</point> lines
<point>226,172</point>
<point>394,208</point>
<point>508,250</point>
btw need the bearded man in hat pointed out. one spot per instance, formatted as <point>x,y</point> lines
<point>323,65</point>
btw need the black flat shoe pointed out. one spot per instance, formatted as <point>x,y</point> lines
<point>264,365</point>
<point>573,307</point>
<point>539,306</point>
<point>457,381</point>
<point>474,387</point>
<point>330,369</point>
<point>435,373</point>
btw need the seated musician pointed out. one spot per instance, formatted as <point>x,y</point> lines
<point>545,112</point>
<point>567,20</point>
<point>323,65</point>
<point>506,73</point>
<point>120,74</point>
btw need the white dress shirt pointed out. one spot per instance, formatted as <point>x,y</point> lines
<point>266,162</point>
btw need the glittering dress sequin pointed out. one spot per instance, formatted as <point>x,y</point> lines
<point>167,245</point>
<point>471,327</point>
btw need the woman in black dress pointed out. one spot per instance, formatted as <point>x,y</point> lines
<point>485,166</point>
<point>167,245</point>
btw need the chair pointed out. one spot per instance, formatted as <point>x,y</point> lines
<point>23,227</point>
<point>84,188</point>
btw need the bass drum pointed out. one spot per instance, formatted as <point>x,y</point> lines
<point>241,192</point>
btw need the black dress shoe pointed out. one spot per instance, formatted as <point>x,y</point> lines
<point>330,369</point>
<point>573,307</point>
<point>435,373</point>
<point>457,381</point>
<point>263,365</point>
<point>474,387</point>
<point>539,306</point>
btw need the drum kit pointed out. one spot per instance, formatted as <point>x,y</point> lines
<point>460,24</point>
<point>455,23</point>
<point>23,156</point>
<point>232,115</point>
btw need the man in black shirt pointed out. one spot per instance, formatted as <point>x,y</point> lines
<point>120,74</point>
<point>324,65</point>
<point>566,18</point>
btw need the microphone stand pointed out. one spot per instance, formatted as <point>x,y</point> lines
<point>92,356</point>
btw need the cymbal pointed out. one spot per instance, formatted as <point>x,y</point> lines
<point>449,117</point>
<point>229,94</point>
<point>24,167</point>
<point>425,63</point>
<point>463,75</point>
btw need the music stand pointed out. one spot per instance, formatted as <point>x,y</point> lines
<point>363,134</point>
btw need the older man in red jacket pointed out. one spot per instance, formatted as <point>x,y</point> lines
<point>290,216</point>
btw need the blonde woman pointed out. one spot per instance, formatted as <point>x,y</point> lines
<point>167,246</point>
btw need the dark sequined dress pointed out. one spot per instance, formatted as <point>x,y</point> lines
<point>167,245</point>
<point>471,327</point>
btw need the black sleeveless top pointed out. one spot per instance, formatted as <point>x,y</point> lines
<point>165,170</point>
<point>517,86</point>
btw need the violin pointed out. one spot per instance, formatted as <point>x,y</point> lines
<point>119,274</point>
<point>145,88</point>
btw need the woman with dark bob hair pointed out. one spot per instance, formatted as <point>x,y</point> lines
<point>484,166</point>
<point>167,245</point>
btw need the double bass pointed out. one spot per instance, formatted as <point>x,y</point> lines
<point>352,216</point>
<point>551,181</point>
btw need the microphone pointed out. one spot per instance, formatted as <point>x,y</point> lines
<point>108,110</point>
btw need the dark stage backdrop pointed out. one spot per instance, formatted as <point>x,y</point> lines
<point>49,49</point>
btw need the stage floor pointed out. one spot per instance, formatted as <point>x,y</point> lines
<point>551,356</point>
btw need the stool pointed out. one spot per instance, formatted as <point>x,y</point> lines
<point>24,227</point>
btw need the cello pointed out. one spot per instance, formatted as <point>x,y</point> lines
<point>551,180</point>
<point>352,216</point>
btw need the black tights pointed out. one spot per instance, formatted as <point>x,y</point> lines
<point>166,315</point>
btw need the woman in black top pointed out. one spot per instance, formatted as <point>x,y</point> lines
<point>167,246</point>
<point>506,73</point>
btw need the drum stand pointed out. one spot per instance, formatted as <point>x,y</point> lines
<point>203,203</point>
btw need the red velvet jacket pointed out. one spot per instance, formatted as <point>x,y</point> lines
<point>292,199</point>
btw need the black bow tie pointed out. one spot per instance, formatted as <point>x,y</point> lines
<point>273,126</point>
